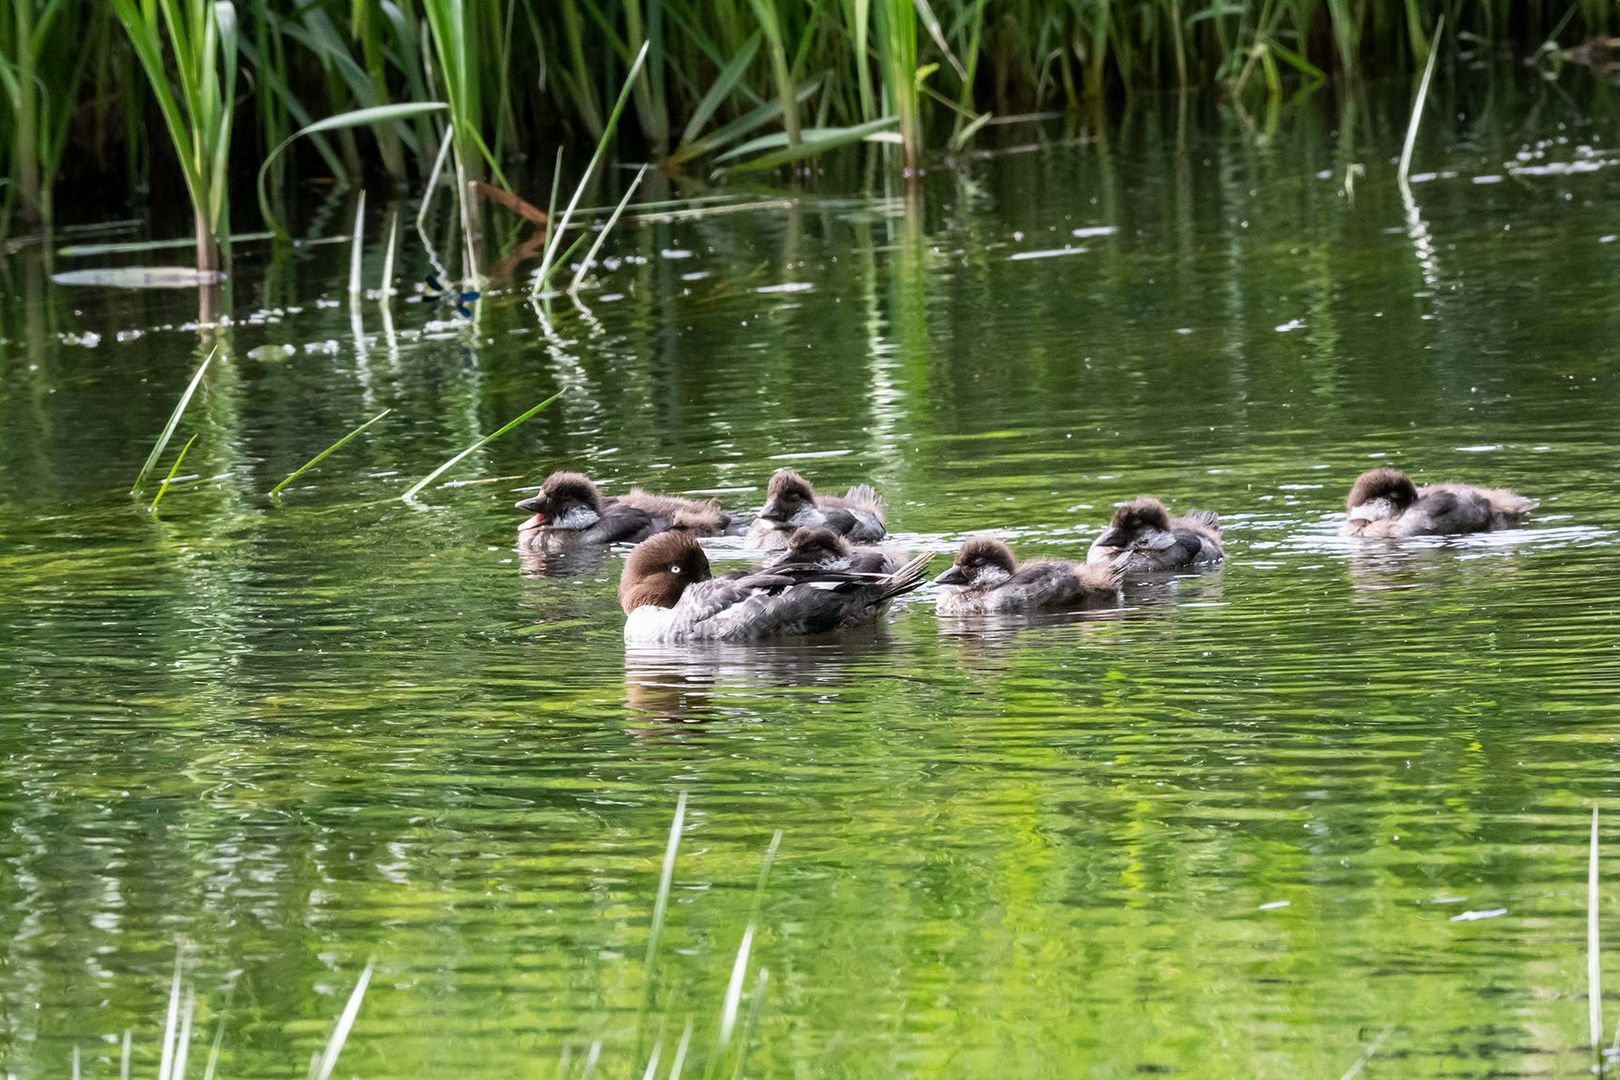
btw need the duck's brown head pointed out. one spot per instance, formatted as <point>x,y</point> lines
<point>659,569</point>
<point>567,500</point>
<point>814,546</point>
<point>788,496</point>
<point>1134,521</point>
<point>982,561</point>
<point>1379,493</point>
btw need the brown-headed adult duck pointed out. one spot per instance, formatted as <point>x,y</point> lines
<point>1384,503</point>
<point>1145,538</point>
<point>791,503</point>
<point>669,595</point>
<point>821,547</point>
<point>987,579</point>
<point>569,513</point>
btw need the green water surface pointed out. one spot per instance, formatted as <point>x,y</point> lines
<point>1246,827</point>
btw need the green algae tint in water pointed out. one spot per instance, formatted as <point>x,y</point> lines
<point>1236,829</point>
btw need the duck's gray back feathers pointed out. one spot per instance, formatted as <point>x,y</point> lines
<point>778,602</point>
<point>1039,585</point>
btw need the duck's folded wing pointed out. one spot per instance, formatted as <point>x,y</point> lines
<point>1188,547</point>
<point>1443,508</point>
<point>881,561</point>
<point>747,607</point>
<point>708,599</point>
<point>622,524</point>
<point>818,576</point>
<point>856,522</point>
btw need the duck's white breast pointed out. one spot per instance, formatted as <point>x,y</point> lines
<point>650,624</point>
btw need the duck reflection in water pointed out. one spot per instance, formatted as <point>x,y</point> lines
<point>1433,563</point>
<point>699,681</point>
<point>537,562</point>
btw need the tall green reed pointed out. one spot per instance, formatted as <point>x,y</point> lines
<point>43,59</point>
<point>897,48</point>
<point>781,76</point>
<point>198,111</point>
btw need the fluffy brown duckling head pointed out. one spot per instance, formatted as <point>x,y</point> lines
<point>788,497</point>
<point>982,562</point>
<point>813,546</point>
<point>1140,523</point>
<point>567,500</point>
<point>659,569</point>
<point>1380,493</point>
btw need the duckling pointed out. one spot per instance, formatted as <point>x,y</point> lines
<point>1143,531</point>
<point>669,595</point>
<point>1384,502</point>
<point>820,546</point>
<point>569,513</point>
<point>790,502</point>
<point>987,579</point>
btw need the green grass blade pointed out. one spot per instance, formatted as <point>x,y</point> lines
<point>555,239</point>
<point>961,138</point>
<point>769,22</point>
<point>174,422</point>
<point>568,252</point>
<point>358,118</point>
<point>739,967</point>
<point>316,460</point>
<point>170,1022</point>
<point>756,117</point>
<point>356,249</point>
<point>1404,169</point>
<point>173,471</point>
<point>746,1034</point>
<point>679,1063</point>
<point>551,206</point>
<point>485,441</point>
<point>613,219</point>
<point>724,84</point>
<point>345,1023</point>
<point>666,879</point>
<point>385,288</point>
<point>1594,980</point>
<point>812,141</point>
<point>655,934</point>
<point>433,179</point>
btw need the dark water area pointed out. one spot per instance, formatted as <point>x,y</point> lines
<point>1331,795</point>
